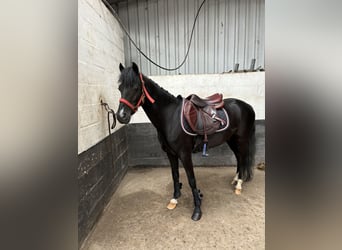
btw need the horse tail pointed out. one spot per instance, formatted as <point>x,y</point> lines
<point>251,154</point>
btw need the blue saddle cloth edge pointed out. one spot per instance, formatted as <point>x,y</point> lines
<point>221,113</point>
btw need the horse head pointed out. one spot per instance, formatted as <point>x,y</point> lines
<point>132,93</point>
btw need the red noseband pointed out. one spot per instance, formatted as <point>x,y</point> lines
<point>141,99</point>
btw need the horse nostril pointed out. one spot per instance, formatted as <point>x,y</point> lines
<point>122,114</point>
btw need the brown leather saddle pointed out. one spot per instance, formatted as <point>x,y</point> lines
<point>215,100</point>
<point>204,116</point>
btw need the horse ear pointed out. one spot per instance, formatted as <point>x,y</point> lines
<point>135,68</point>
<point>121,67</point>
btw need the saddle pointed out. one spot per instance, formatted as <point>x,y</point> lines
<point>204,116</point>
<point>215,100</point>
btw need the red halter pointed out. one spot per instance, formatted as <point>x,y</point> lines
<point>141,99</point>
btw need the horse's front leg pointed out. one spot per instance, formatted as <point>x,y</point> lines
<point>176,184</point>
<point>189,169</point>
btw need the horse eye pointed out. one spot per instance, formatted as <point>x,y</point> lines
<point>121,87</point>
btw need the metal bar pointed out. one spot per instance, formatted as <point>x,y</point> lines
<point>236,67</point>
<point>252,65</point>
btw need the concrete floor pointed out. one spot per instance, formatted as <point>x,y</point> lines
<point>137,217</point>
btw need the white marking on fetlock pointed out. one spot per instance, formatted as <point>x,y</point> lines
<point>236,177</point>
<point>238,186</point>
<point>172,204</point>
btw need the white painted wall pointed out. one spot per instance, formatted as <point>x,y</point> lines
<point>100,50</point>
<point>249,87</point>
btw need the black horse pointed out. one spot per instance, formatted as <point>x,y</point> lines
<point>163,110</point>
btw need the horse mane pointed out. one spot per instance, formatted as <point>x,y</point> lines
<point>168,95</point>
<point>130,79</point>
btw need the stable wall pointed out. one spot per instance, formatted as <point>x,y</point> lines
<point>226,32</point>
<point>100,50</point>
<point>145,151</point>
<point>102,160</point>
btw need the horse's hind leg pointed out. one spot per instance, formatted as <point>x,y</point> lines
<point>236,177</point>
<point>234,147</point>
<point>241,149</point>
<point>175,176</point>
<point>189,169</point>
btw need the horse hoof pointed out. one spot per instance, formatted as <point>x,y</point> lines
<point>197,214</point>
<point>237,191</point>
<point>172,204</point>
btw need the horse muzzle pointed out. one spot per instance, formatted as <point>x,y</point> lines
<point>123,115</point>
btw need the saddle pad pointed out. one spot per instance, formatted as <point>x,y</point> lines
<point>221,113</point>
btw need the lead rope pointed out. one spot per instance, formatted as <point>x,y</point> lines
<point>109,112</point>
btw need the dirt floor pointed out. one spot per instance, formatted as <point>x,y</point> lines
<point>137,217</point>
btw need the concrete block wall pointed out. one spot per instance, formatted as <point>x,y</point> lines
<point>100,171</point>
<point>100,50</point>
<point>249,87</point>
<point>102,159</point>
<point>145,151</point>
